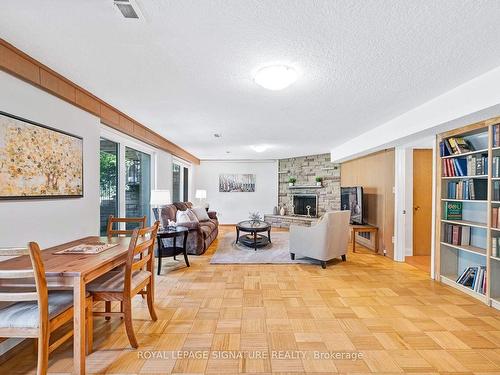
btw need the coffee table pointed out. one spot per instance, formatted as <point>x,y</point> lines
<point>253,238</point>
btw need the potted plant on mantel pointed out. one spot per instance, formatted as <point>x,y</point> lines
<point>292,181</point>
<point>319,180</point>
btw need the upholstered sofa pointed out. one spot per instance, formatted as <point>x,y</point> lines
<point>201,234</point>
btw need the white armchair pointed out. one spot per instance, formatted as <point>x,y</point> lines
<point>324,241</point>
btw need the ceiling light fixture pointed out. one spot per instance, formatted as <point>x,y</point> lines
<point>259,148</point>
<point>275,77</point>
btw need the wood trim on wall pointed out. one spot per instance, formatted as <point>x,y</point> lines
<point>19,64</point>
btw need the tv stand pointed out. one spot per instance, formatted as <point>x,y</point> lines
<point>363,228</point>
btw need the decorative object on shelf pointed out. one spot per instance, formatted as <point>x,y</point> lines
<point>160,198</point>
<point>308,208</point>
<point>292,181</point>
<point>37,161</point>
<point>318,180</point>
<point>201,194</point>
<point>282,211</point>
<point>255,217</point>
<point>236,183</point>
<point>275,210</point>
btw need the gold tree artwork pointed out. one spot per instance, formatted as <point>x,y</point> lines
<point>36,161</point>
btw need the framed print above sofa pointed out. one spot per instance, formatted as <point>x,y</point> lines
<point>37,161</point>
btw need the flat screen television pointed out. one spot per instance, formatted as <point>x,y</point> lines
<point>351,198</point>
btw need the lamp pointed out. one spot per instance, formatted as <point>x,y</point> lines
<point>201,194</point>
<point>160,198</point>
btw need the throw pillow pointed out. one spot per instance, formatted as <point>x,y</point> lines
<point>182,217</point>
<point>191,215</point>
<point>200,213</point>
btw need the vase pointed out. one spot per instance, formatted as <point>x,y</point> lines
<point>275,210</point>
<point>318,183</point>
<point>291,184</point>
<point>282,211</point>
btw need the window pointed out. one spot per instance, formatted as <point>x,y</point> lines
<point>180,182</point>
<point>108,182</point>
<point>137,184</point>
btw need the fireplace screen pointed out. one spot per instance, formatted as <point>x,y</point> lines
<point>305,205</point>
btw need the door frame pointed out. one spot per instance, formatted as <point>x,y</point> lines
<point>403,189</point>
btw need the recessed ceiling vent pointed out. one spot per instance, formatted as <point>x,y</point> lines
<point>128,9</point>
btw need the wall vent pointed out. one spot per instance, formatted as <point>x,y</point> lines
<point>128,9</point>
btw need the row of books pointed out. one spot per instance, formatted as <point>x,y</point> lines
<point>496,135</point>
<point>495,247</point>
<point>457,234</point>
<point>474,278</point>
<point>476,165</point>
<point>496,191</point>
<point>473,189</point>
<point>495,166</point>
<point>454,146</point>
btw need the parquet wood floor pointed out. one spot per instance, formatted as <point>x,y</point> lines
<point>392,313</point>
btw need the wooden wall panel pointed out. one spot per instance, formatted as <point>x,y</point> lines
<point>17,63</point>
<point>375,173</point>
<point>56,85</point>
<point>87,102</point>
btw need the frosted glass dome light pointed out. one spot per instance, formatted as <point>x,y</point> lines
<point>275,77</point>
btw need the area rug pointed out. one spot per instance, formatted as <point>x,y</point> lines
<point>275,253</point>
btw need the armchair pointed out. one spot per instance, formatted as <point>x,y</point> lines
<point>324,241</point>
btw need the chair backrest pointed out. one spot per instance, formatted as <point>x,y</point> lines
<point>27,294</point>
<point>337,230</point>
<point>111,231</point>
<point>141,243</point>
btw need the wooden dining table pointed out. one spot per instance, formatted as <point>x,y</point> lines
<point>76,271</point>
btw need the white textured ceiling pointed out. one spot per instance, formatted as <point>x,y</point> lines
<point>186,71</point>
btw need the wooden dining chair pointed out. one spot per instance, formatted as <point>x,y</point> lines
<point>137,277</point>
<point>111,231</point>
<point>37,312</point>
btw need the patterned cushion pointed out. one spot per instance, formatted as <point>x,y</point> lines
<point>26,315</point>
<point>114,281</point>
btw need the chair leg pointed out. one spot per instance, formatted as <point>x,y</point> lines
<point>43,352</point>
<point>344,258</point>
<point>107,308</point>
<point>292,255</point>
<point>150,299</point>
<point>323,264</point>
<point>129,327</point>
<point>90,326</point>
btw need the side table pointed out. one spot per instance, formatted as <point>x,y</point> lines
<point>171,251</point>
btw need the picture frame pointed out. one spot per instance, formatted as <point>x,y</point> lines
<point>38,161</point>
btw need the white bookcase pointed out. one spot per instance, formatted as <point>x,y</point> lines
<point>451,260</point>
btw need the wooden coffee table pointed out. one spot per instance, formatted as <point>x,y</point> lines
<point>253,238</point>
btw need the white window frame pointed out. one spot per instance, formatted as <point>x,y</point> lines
<point>124,141</point>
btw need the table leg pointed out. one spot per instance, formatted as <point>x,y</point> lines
<point>185,249</point>
<point>354,240</point>
<point>376,241</point>
<point>79,325</point>
<point>269,235</point>
<point>237,235</point>
<point>255,241</point>
<point>160,251</point>
<point>175,244</point>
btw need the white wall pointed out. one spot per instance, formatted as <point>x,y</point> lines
<point>53,221</point>
<point>234,207</point>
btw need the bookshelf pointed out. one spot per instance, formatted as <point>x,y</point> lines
<point>468,203</point>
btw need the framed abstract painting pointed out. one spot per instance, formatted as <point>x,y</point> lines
<point>37,161</point>
<point>236,183</point>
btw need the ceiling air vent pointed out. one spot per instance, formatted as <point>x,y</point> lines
<point>128,9</point>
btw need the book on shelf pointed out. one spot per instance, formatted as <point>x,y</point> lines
<point>474,278</point>
<point>496,191</point>
<point>494,217</point>
<point>453,210</point>
<point>496,135</point>
<point>495,245</point>
<point>471,189</point>
<point>457,235</point>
